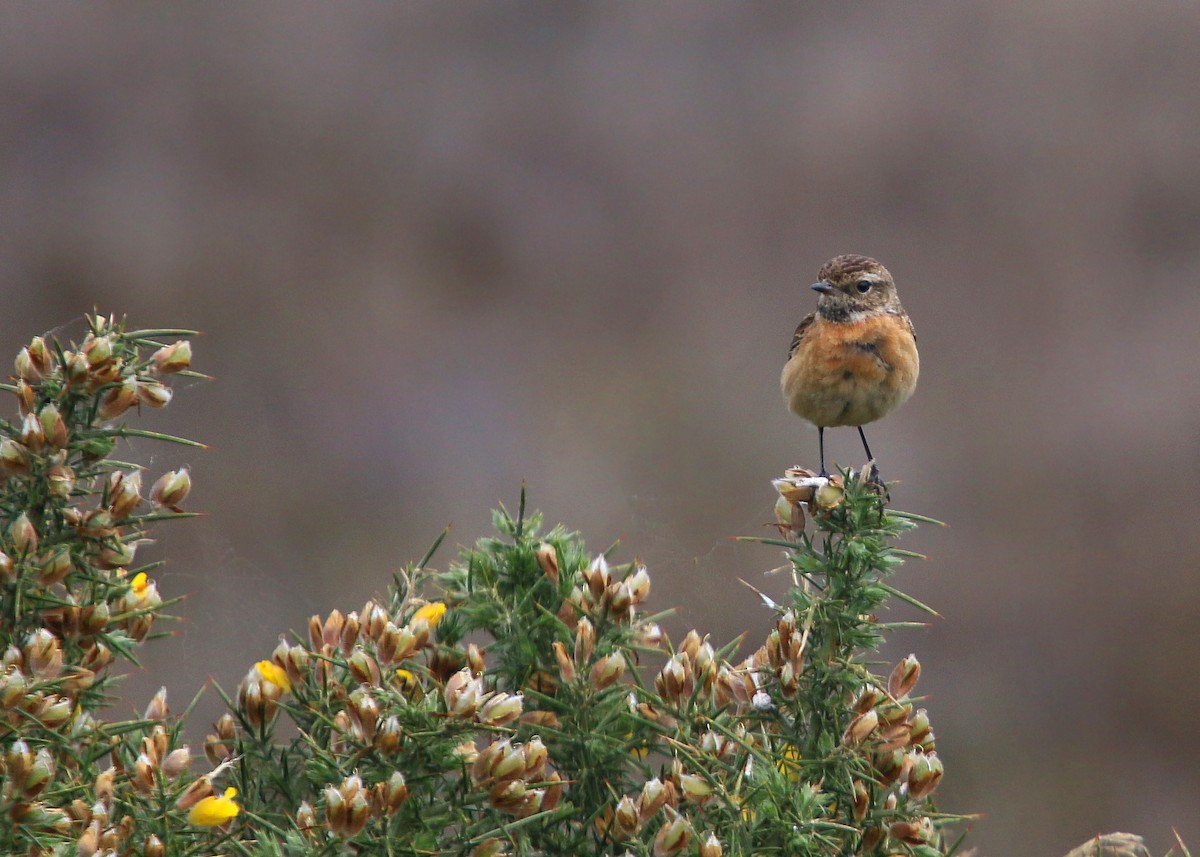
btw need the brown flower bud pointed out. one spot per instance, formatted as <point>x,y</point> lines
<point>13,686</point>
<point>77,368</point>
<point>868,697</point>
<point>194,793</point>
<point>500,709</point>
<point>177,762</point>
<point>103,787</point>
<point>912,832</point>
<point>61,480</point>
<point>891,765</point>
<point>861,727</point>
<point>390,795</point>
<point>142,777</point>
<point>654,796</point>
<point>25,397</point>
<point>924,774</point>
<point>117,400</point>
<point>691,644</point>
<point>364,711</point>
<point>54,565</point>
<point>98,524</point>
<point>535,755</point>
<point>171,488</point>
<point>26,369</point>
<point>673,837</point>
<point>618,598</point>
<point>23,535</point>
<point>306,819</point>
<point>347,807</point>
<point>597,577</point>
<point>651,636</point>
<point>464,694</point>
<point>585,640</point>
<point>607,671</point>
<point>153,847</point>
<point>257,701</point>
<point>547,558</point>
<point>316,632</point>
<point>904,677</point>
<point>676,681</point>
<point>373,619</point>
<point>14,457</point>
<point>395,644</point>
<point>862,800</point>
<point>172,358</point>
<point>475,659</point>
<point>53,428</point>
<point>513,796</point>
<point>124,493</point>
<point>43,655</point>
<point>493,847</point>
<point>626,818</point>
<point>351,630</point>
<point>566,667</point>
<point>158,708</point>
<point>789,516</point>
<point>919,729</point>
<point>363,667</point>
<point>39,774</point>
<point>695,788</point>
<point>497,761</point>
<point>894,712</point>
<point>295,664</point>
<point>639,584</point>
<point>830,495</point>
<point>553,792</point>
<point>98,350</point>
<point>389,734</point>
<point>155,394</point>
<point>712,847</point>
<point>88,842</point>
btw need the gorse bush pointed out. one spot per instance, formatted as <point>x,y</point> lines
<point>522,701</point>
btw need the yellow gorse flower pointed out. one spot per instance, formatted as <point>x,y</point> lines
<point>213,810</point>
<point>275,674</point>
<point>431,613</point>
<point>789,763</point>
<point>140,584</point>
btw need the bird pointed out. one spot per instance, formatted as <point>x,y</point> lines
<point>854,360</point>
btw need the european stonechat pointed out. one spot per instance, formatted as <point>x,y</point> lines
<point>854,360</point>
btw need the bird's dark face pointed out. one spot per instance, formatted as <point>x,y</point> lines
<point>850,285</point>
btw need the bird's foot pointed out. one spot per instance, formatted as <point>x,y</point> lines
<point>876,480</point>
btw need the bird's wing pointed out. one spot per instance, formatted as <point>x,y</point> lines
<point>799,334</point>
<point>899,311</point>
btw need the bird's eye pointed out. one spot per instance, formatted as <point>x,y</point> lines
<point>863,286</point>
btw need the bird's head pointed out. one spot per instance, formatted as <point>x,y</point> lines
<point>854,284</point>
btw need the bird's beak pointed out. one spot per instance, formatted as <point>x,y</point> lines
<point>822,287</point>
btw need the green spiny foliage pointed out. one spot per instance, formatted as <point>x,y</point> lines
<point>520,701</point>
<point>73,601</point>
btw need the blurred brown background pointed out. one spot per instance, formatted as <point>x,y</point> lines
<point>438,249</point>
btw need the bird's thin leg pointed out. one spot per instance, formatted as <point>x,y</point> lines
<point>821,444</point>
<point>870,457</point>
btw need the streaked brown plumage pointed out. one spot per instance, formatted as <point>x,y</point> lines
<point>855,359</point>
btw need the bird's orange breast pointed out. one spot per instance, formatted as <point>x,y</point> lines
<point>853,373</point>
